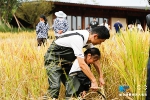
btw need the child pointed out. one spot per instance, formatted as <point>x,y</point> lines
<point>78,81</point>
<point>42,30</point>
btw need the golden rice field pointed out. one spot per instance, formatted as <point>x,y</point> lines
<point>23,77</point>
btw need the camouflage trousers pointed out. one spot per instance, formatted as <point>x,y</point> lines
<point>58,61</point>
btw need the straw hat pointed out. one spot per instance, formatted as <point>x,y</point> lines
<point>60,14</point>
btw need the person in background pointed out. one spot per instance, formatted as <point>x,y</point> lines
<point>94,23</point>
<point>64,50</point>
<point>138,25</point>
<point>148,21</point>
<point>72,29</point>
<point>148,65</point>
<point>105,24</point>
<point>42,31</point>
<point>88,28</point>
<point>79,27</point>
<point>130,27</point>
<point>60,24</point>
<point>118,26</point>
<point>78,82</point>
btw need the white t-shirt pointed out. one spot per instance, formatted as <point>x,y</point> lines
<point>76,42</point>
<point>106,25</point>
<point>139,27</point>
<point>75,67</point>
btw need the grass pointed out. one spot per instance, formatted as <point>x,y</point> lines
<point>5,29</point>
<point>23,76</point>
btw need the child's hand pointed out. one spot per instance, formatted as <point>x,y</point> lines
<point>101,80</point>
<point>83,94</point>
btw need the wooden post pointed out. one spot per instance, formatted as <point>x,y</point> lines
<point>83,22</point>
<point>110,22</point>
<point>144,24</point>
<point>76,23</point>
<point>17,22</point>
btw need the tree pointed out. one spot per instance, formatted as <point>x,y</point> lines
<point>30,11</point>
<point>7,9</point>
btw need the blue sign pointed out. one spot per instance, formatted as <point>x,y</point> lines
<point>123,88</point>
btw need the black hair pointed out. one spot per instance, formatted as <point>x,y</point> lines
<point>101,31</point>
<point>138,21</point>
<point>104,22</point>
<point>148,20</point>
<point>92,51</point>
<point>44,17</point>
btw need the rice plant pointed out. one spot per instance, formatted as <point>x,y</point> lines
<point>126,55</point>
<point>23,76</point>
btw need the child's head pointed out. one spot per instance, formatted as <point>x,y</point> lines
<point>91,55</point>
<point>99,34</point>
<point>43,18</point>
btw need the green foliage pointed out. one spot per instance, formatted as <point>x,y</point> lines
<point>30,11</point>
<point>4,28</point>
<point>7,9</point>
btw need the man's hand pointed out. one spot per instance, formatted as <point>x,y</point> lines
<point>94,85</point>
<point>102,82</point>
<point>98,68</point>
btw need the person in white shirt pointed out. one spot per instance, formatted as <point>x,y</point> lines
<point>138,25</point>
<point>139,28</point>
<point>130,27</point>
<point>78,82</point>
<point>105,24</point>
<point>64,50</point>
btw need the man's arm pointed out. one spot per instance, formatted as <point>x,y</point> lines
<point>99,70</point>
<point>84,67</point>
